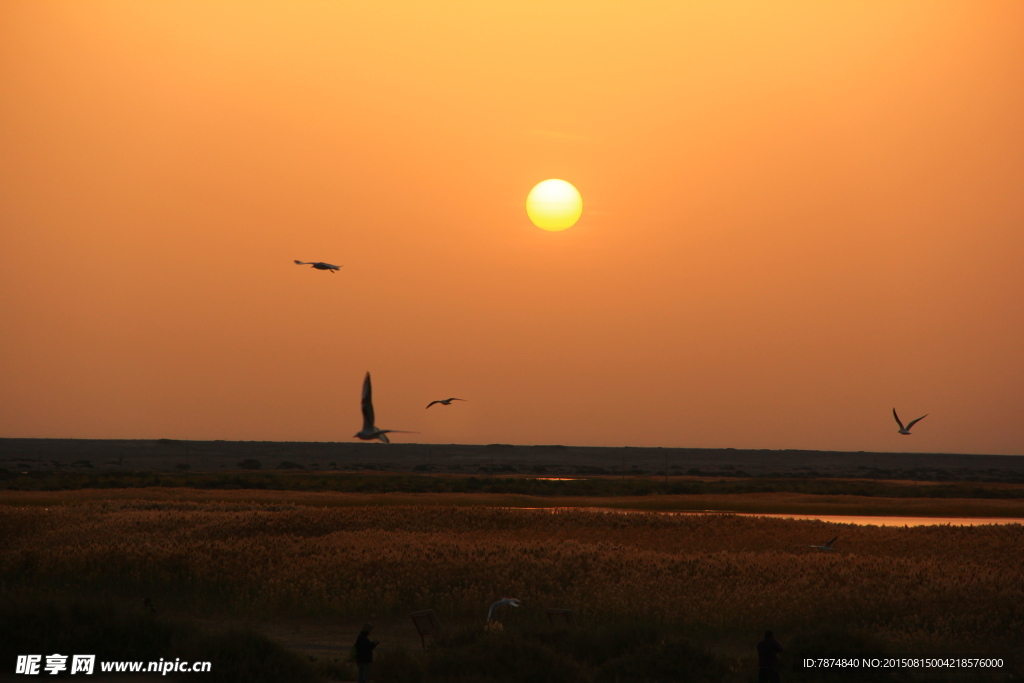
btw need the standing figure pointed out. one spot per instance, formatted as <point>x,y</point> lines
<point>767,659</point>
<point>364,651</point>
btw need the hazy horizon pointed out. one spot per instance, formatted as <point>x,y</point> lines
<point>796,217</point>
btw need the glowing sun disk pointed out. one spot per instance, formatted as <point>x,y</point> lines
<point>554,205</point>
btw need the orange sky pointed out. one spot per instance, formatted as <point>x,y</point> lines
<point>797,215</point>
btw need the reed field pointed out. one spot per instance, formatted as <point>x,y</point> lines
<point>719,580</point>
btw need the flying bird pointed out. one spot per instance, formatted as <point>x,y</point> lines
<point>319,265</point>
<point>905,431</point>
<point>445,402</point>
<point>827,546</point>
<point>370,431</point>
<point>511,602</point>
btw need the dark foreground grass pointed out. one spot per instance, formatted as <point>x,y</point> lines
<point>639,652</point>
<point>410,483</point>
<point>114,631</point>
<point>528,650</point>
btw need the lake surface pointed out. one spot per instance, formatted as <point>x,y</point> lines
<point>897,521</point>
<point>866,520</point>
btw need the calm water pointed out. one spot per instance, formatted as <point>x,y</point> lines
<point>901,521</point>
<point>836,519</point>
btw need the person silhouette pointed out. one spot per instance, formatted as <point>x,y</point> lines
<point>767,659</point>
<point>364,651</point>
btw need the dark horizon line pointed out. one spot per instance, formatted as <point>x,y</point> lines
<point>393,446</point>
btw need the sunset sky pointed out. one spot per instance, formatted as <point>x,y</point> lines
<point>796,216</point>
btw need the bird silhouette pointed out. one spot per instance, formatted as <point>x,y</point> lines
<point>511,602</point>
<point>445,402</point>
<point>827,546</point>
<point>319,265</point>
<point>369,431</point>
<point>905,431</point>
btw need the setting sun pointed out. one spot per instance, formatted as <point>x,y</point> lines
<point>783,348</point>
<point>554,205</point>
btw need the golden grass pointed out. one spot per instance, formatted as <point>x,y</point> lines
<point>720,572</point>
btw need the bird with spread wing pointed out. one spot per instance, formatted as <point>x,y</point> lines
<point>369,431</point>
<point>509,602</point>
<point>905,431</point>
<point>445,402</point>
<point>827,546</point>
<point>319,265</point>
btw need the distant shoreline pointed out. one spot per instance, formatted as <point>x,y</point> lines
<point>170,455</point>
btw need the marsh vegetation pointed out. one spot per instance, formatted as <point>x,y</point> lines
<point>706,585</point>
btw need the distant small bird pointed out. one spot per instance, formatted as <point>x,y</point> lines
<point>827,546</point>
<point>511,602</point>
<point>370,431</point>
<point>147,603</point>
<point>445,402</point>
<point>319,265</point>
<point>905,431</point>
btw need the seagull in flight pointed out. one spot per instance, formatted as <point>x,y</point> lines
<point>905,431</point>
<point>445,402</point>
<point>370,431</point>
<point>827,546</point>
<point>319,265</point>
<point>511,602</point>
